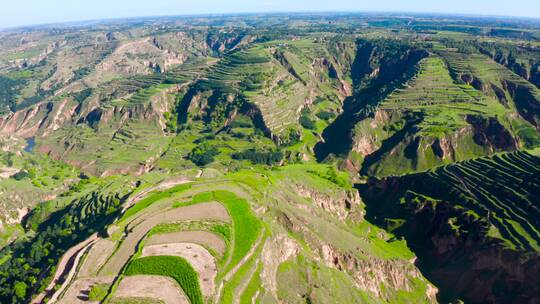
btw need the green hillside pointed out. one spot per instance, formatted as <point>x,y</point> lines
<point>271,158</point>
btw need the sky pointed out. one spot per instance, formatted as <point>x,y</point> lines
<point>28,12</point>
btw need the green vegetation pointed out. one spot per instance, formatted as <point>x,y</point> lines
<point>332,175</point>
<point>176,268</point>
<point>494,190</point>
<point>98,292</point>
<point>489,199</point>
<point>203,154</point>
<point>307,123</point>
<point>240,275</point>
<point>32,258</point>
<point>222,229</point>
<point>154,197</point>
<point>253,286</point>
<point>273,119</point>
<point>326,115</point>
<point>259,157</point>
<point>246,227</point>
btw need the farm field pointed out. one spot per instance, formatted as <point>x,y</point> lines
<point>271,158</point>
<point>490,199</point>
<point>155,231</point>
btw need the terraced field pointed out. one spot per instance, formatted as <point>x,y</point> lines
<point>278,77</point>
<point>434,120</point>
<point>487,205</point>
<point>502,188</point>
<point>494,79</point>
<point>255,74</point>
<point>184,164</point>
<point>443,104</point>
<point>220,229</point>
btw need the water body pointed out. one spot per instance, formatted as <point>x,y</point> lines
<point>30,143</point>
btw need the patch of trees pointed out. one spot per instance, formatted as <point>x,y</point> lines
<point>9,90</point>
<point>462,46</point>
<point>82,95</point>
<point>290,137</point>
<point>32,261</point>
<point>21,175</point>
<point>7,159</point>
<point>333,176</point>
<point>241,122</point>
<point>203,154</point>
<point>326,115</point>
<point>307,122</point>
<point>259,157</point>
<point>80,73</point>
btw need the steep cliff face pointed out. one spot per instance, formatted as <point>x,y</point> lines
<point>371,274</point>
<point>392,143</point>
<point>456,219</point>
<point>367,271</point>
<point>272,83</point>
<point>46,117</point>
<point>527,102</point>
<point>448,109</point>
<point>318,224</point>
<point>493,79</point>
<point>376,70</point>
<point>346,206</point>
<point>522,60</point>
<point>220,41</point>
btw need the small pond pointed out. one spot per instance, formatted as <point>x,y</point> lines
<point>30,143</point>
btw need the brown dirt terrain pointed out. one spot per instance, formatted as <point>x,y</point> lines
<point>97,256</point>
<point>199,258</point>
<point>77,293</point>
<point>204,211</point>
<point>205,238</point>
<point>156,287</point>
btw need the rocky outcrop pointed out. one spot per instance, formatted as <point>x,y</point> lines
<point>527,101</point>
<point>371,274</point>
<point>54,124</point>
<point>275,252</point>
<point>346,205</point>
<point>488,132</point>
<point>374,75</point>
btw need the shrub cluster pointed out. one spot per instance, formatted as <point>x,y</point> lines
<point>259,157</point>
<point>326,115</point>
<point>203,154</point>
<point>307,122</point>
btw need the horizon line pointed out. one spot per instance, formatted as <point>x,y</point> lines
<point>79,23</point>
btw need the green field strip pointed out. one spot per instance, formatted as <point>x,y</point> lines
<point>151,199</point>
<point>174,267</point>
<point>246,226</point>
<point>254,285</point>
<point>244,272</point>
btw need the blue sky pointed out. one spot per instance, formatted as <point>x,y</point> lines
<point>26,12</point>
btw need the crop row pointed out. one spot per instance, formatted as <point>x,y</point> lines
<point>174,267</point>
<point>246,226</point>
<point>505,189</point>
